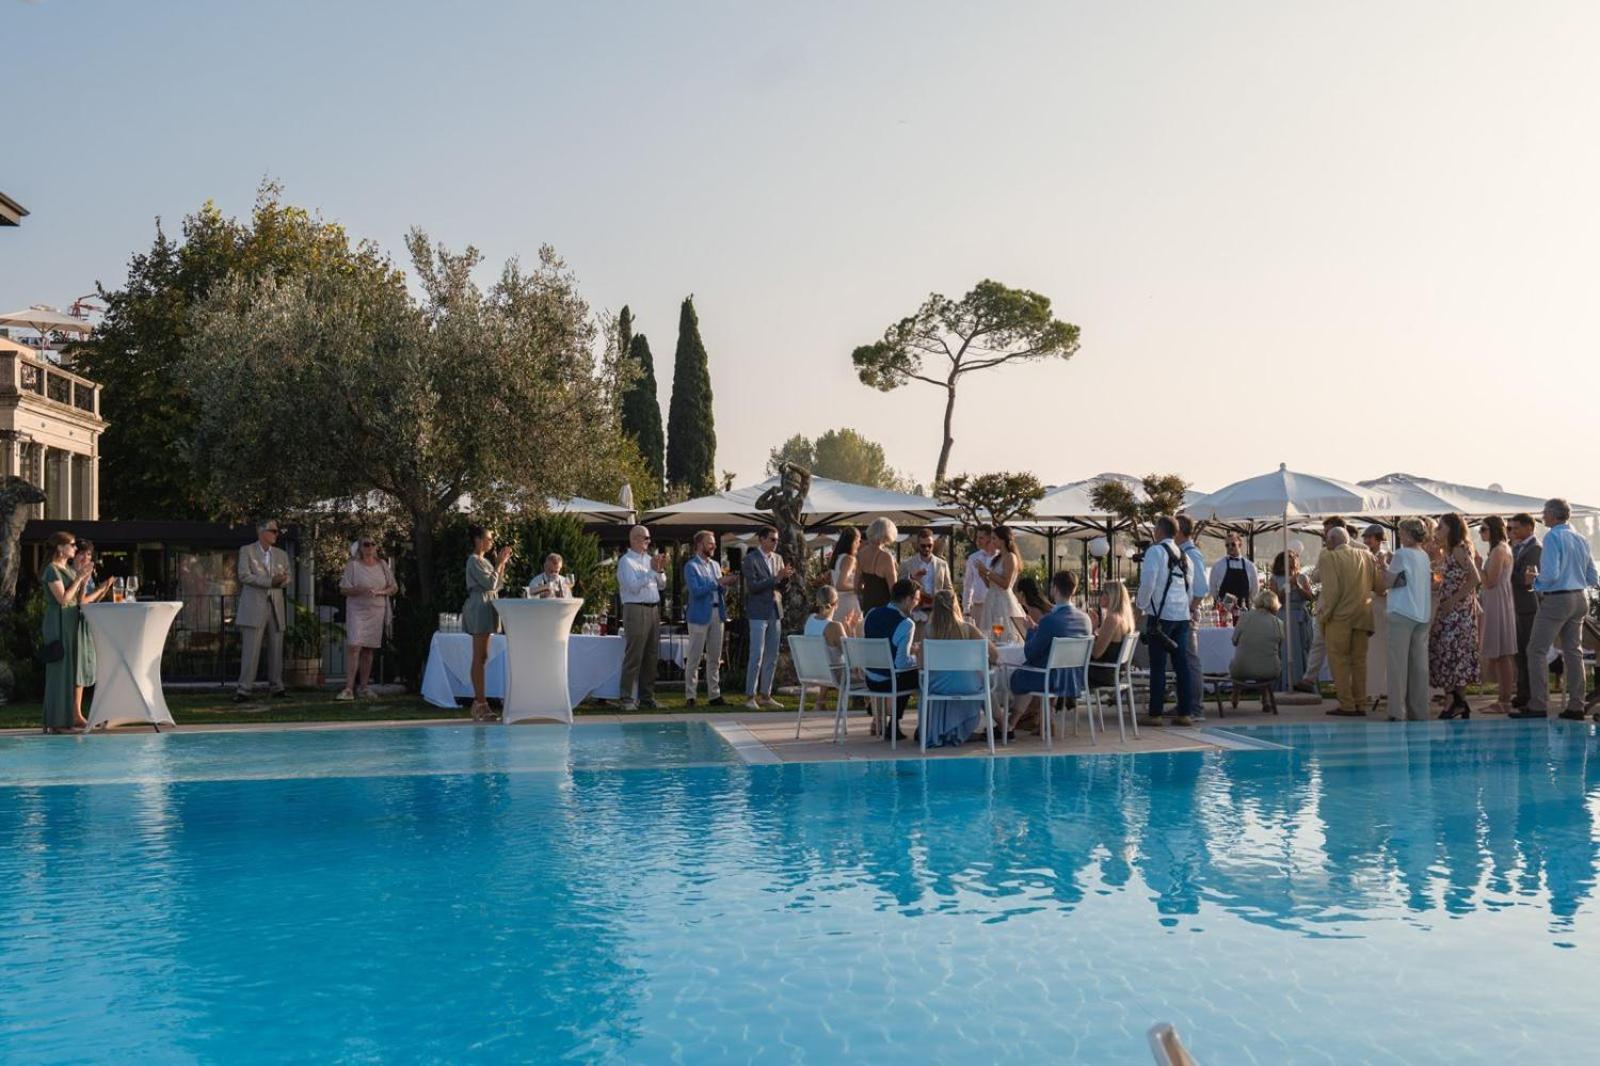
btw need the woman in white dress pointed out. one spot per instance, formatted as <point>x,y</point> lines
<point>367,584</point>
<point>1000,605</point>
<point>845,578</point>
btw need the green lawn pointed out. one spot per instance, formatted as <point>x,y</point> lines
<point>194,708</point>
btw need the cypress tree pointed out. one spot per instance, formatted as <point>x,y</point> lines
<point>641,411</point>
<point>691,431</point>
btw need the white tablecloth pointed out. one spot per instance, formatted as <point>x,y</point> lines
<point>594,667</point>
<point>128,640</point>
<point>1216,651</point>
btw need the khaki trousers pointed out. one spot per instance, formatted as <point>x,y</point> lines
<point>705,640</point>
<point>1408,669</point>
<point>641,637</point>
<point>1347,659</point>
<point>1558,623</point>
<point>250,638</point>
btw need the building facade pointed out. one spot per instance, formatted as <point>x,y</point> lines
<point>50,429</point>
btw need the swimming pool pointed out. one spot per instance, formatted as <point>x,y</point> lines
<point>1383,893</point>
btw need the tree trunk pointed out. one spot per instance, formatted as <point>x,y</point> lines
<point>949,417</point>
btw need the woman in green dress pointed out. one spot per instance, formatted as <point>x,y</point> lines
<point>478,615</point>
<point>63,580</point>
<point>93,592</point>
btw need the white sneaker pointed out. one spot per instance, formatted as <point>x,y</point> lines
<point>345,695</point>
<point>629,705</point>
<point>752,704</point>
<point>771,704</point>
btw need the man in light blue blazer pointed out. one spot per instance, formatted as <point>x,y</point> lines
<point>705,613</point>
<point>1065,621</point>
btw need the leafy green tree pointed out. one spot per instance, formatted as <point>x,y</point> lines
<point>988,327</point>
<point>641,411</point>
<point>990,498</point>
<point>691,428</point>
<point>136,352</point>
<point>843,455</point>
<point>339,384</point>
<point>1162,494</point>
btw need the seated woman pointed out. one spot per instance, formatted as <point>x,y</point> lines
<point>1032,599</point>
<point>951,721</point>
<point>821,623</point>
<point>1258,641</point>
<point>1116,626</point>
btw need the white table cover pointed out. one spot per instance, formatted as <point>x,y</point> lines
<point>537,631</point>
<point>1216,651</point>
<point>594,668</point>
<point>128,640</point>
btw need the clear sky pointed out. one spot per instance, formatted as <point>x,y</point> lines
<point>1356,237</point>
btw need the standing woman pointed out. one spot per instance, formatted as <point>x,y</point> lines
<point>1499,615</point>
<point>1288,581</point>
<point>875,566</point>
<point>1000,606</point>
<point>846,580</point>
<point>93,592</point>
<point>367,584</point>
<point>478,615</point>
<point>1453,639</point>
<point>63,579</point>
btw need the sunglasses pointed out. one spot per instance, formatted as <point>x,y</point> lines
<point>368,544</point>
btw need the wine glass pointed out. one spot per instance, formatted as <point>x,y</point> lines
<point>999,631</point>
<point>133,587</point>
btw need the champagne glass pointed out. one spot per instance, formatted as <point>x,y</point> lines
<point>133,587</point>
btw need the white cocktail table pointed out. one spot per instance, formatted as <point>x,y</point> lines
<point>128,640</point>
<point>536,657</point>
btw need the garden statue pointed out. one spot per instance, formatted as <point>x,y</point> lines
<point>17,496</point>
<point>786,501</point>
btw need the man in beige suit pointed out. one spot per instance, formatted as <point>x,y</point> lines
<point>263,573</point>
<point>1348,576</point>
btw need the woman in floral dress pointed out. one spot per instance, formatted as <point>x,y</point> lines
<point>1453,639</point>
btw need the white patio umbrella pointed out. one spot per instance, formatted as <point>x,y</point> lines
<point>829,503</point>
<point>1281,497</point>
<point>45,320</point>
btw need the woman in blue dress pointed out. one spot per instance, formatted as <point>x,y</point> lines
<point>952,721</point>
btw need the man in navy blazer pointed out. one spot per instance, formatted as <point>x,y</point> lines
<point>1065,621</point>
<point>765,575</point>
<point>705,613</point>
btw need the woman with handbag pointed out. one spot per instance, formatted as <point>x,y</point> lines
<point>62,649</point>
<point>367,584</point>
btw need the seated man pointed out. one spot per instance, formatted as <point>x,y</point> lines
<point>1064,621</point>
<point>892,622</point>
<point>551,583</point>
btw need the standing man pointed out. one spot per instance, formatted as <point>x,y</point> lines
<point>764,577</point>
<point>1197,594</point>
<point>1163,601</point>
<point>931,574</point>
<point>973,586</point>
<point>262,612</point>
<point>1345,611</point>
<point>640,579</point>
<point>1317,654</point>
<point>1234,575</point>
<point>706,613</point>
<point>1565,573</point>
<point>550,583</point>
<point>1525,555</point>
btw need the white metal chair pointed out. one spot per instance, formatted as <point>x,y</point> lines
<point>1123,683</point>
<point>867,653</point>
<point>814,668</point>
<point>955,656</point>
<point>1066,653</point>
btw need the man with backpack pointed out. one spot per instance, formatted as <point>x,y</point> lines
<point>1166,581</point>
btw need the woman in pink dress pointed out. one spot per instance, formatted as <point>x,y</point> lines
<point>1499,615</point>
<point>367,584</point>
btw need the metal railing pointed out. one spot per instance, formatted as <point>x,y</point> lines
<point>204,645</point>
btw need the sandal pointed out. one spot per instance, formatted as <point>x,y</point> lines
<point>481,711</point>
<point>1493,708</point>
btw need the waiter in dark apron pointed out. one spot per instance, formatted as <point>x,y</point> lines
<point>1233,575</point>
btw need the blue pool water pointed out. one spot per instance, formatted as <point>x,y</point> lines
<point>1383,894</point>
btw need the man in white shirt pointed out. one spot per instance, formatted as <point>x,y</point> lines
<point>640,579</point>
<point>972,584</point>
<point>550,583</point>
<point>931,574</point>
<point>1197,594</point>
<point>1165,578</point>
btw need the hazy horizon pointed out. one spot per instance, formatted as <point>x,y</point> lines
<point>1356,239</point>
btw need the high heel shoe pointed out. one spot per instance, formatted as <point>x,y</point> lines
<point>1459,708</point>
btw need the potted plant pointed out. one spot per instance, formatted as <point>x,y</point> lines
<point>303,640</point>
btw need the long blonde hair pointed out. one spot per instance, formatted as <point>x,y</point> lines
<point>1119,605</point>
<point>946,622</point>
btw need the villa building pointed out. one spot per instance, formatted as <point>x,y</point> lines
<point>50,428</point>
